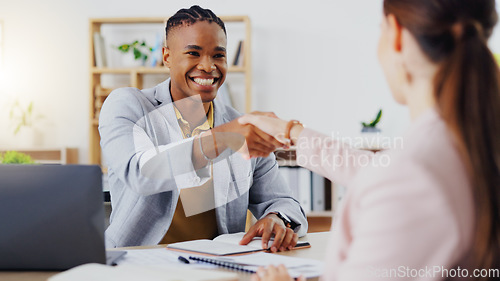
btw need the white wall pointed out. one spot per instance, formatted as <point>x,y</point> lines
<point>313,60</point>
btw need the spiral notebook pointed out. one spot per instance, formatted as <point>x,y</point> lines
<point>226,264</point>
<point>250,263</point>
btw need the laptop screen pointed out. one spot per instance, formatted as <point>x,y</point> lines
<point>51,216</point>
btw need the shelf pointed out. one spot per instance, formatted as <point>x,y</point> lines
<point>145,20</point>
<point>148,70</point>
<point>372,149</point>
<point>286,163</point>
<point>319,224</point>
<point>286,157</point>
<point>319,214</point>
<point>128,70</point>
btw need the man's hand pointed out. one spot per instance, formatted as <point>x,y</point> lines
<point>284,238</point>
<point>270,125</point>
<point>258,143</point>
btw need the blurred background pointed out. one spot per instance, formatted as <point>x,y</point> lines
<point>314,61</point>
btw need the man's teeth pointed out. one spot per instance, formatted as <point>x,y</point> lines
<point>204,82</point>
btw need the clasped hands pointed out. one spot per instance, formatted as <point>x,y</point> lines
<point>253,135</point>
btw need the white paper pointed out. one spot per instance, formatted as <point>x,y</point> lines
<point>157,256</point>
<point>149,257</point>
<point>235,238</point>
<point>167,258</point>
<point>212,247</point>
<point>99,272</point>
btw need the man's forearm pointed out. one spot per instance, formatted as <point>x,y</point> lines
<point>206,147</point>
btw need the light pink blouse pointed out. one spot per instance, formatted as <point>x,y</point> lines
<point>409,213</point>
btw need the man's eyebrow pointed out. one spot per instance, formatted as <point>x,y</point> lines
<point>196,47</point>
<point>220,49</point>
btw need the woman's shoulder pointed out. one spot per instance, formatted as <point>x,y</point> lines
<point>427,171</point>
<point>430,143</point>
<point>425,183</point>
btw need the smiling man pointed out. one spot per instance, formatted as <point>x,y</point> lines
<point>196,56</point>
<point>173,171</point>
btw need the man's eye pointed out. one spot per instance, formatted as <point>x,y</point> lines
<point>219,56</point>
<point>193,54</point>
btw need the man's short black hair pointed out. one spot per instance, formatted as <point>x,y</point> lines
<point>190,16</point>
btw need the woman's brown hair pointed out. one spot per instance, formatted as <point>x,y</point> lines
<point>454,34</point>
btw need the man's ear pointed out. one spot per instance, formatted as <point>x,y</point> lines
<point>396,33</point>
<point>166,56</point>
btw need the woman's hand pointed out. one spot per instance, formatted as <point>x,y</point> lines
<point>270,125</point>
<point>264,113</point>
<point>273,273</point>
<point>247,139</point>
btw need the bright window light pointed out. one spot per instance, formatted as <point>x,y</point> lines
<point>1,51</point>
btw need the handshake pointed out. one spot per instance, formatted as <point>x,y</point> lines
<point>253,135</point>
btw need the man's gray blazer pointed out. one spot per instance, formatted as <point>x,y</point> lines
<point>149,161</point>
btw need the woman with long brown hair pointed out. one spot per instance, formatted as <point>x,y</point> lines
<point>434,212</point>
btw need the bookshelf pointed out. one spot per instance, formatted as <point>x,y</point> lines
<point>306,186</point>
<point>137,76</point>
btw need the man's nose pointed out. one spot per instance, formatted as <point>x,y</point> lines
<point>206,65</point>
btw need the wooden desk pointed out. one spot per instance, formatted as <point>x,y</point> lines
<point>318,242</point>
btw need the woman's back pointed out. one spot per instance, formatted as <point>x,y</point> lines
<point>410,218</point>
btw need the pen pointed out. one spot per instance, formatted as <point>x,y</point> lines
<point>183,259</point>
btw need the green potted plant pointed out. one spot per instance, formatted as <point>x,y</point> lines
<point>23,120</point>
<point>15,157</point>
<point>20,116</point>
<point>140,50</point>
<point>371,127</point>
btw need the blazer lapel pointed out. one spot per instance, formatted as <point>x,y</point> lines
<point>166,110</point>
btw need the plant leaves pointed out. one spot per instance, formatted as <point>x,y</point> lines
<point>16,130</point>
<point>124,48</point>
<point>137,53</point>
<point>377,119</point>
<point>30,108</point>
<point>14,157</point>
<point>137,48</point>
<point>22,117</point>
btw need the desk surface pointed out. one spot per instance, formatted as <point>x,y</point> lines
<point>318,242</point>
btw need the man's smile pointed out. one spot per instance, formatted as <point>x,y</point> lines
<point>204,81</point>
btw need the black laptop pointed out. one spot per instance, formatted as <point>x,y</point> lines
<point>51,217</point>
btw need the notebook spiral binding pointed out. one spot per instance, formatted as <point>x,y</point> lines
<point>224,264</point>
